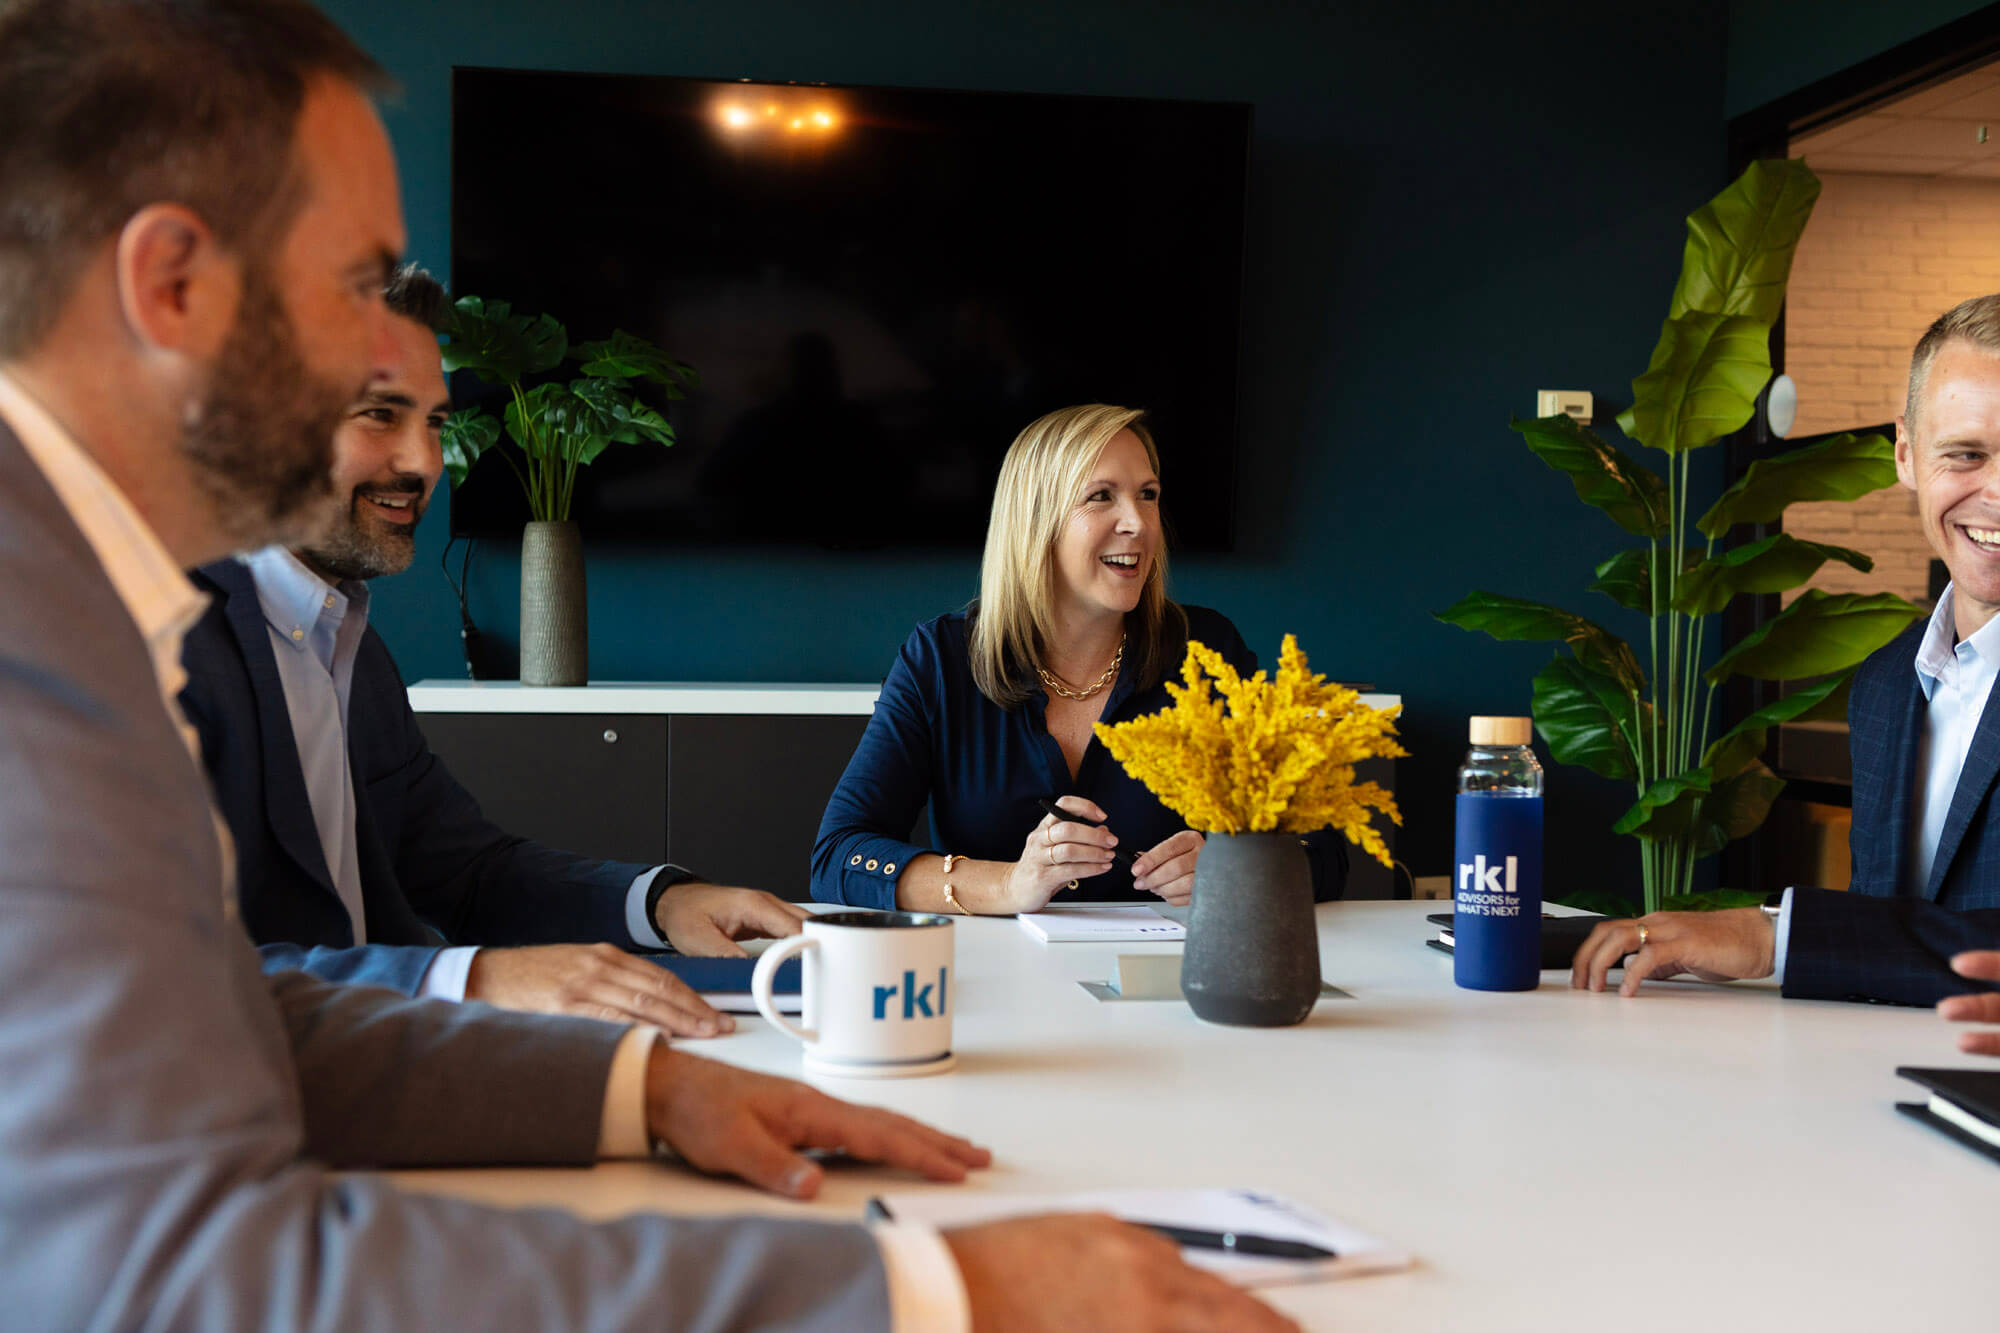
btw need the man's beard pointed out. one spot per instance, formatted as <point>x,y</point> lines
<point>261,439</point>
<point>359,546</point>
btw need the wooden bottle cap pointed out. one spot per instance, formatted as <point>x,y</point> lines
<point>1502,730</point>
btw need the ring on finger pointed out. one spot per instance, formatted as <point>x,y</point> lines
<point>1052,853</point>
<point>1643,932</point>
<point>1049,834</point>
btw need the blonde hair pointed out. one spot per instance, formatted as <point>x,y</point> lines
<point>1041,480</point>
<point>1977,321</point>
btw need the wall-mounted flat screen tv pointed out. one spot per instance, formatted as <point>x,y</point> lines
<point>879,287</point>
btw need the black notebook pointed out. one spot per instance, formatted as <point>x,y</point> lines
<point>1560,936</point>
<point>1964,1104</point>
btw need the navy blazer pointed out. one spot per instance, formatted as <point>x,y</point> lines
<point>1887,939</point>
<point>934,737</point>
<point>433,870</point>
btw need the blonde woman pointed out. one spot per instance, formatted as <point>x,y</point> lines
<point>988,712</point>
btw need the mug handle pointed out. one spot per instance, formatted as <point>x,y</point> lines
<point>766,976</point>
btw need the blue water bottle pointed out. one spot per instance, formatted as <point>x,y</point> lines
<point>1497,872</point>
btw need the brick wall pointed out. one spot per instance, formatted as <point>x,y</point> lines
<point>1882,257</point>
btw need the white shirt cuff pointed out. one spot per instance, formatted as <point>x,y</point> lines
<point>1783,942</point>
<point>622,1130</point>
<point>445,978</point>
<point>926,1292</point>
<point>644,933</point>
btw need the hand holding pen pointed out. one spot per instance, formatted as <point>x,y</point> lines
<point>1167,870</point>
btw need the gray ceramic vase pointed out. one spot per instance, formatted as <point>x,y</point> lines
<point>1252,955</point>
<point>555,631</point>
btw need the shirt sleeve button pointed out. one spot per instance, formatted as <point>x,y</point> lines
<point>872,863</point>
<point>889,868</point>
<point>855,859</point>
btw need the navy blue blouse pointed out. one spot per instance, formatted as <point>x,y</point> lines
<point>934,737</point>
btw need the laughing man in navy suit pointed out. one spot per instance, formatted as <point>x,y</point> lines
<point>361,860</point>
<point>1924,731</point>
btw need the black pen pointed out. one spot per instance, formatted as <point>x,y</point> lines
<point>1269,1247</point>
<point>1119,856</point>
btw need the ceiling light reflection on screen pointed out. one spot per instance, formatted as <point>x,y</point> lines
<point>801,112</point>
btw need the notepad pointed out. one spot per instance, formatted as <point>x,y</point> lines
<point>725,982</point>
<point>1248,1212</point>
<point>1100,923</point>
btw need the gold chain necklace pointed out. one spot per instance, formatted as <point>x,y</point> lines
<point>1110,674</point>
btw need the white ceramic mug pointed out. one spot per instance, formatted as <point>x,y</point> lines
<point>877,993</point>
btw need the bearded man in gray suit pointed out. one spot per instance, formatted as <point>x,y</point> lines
<point>197,212</point>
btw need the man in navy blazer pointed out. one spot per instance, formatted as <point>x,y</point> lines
<point>360,858</point>
<point>1924,734</point>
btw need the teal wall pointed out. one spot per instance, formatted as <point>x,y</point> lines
<point>1779,46</point>
<point>1446,214</point>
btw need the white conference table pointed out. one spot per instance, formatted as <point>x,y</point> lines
<point>1697,1157</point>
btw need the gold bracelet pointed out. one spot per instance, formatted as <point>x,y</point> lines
<point>951,892</point>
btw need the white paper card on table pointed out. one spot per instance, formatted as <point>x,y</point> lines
<point>1100,923</point>
<point>1246,1212</point>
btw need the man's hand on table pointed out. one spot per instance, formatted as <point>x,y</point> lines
<point>592,981</point>
<point>705,920</point>
<point>1086,1270</point>
<point>1715,946</point>
<point>736,1122</point>
<point>1982,965</point>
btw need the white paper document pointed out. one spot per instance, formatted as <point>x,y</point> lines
<point>1101,923</point>
<point>1243,1212</point>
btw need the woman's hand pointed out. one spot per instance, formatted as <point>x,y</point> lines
<point>1168,869</point>
<point>1056,854</point>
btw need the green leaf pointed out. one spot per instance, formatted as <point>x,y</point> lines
<point>1735,807</point>
<point>1714,900</point>
<point>620,417</point>
<point>1702,382</point>
<point>499,346</point>
<point>1745,741</point>
<point>1740,244</point>
<point>1845,467</point>
<point>1513,618</point>
<point>1586,718</point>
<point>1627,578</point>
<point>1632,494</point>
<point>626,356</point>
<point>1668,808</point>
<point>467,435</point>
<point>1818,633</point>
<point>1775,564</point>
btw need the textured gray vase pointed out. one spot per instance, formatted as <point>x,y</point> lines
<point>555,633</point>
<point>1252,955</point>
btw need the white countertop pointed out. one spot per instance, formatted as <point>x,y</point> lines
<point>1698,1157</point>
<point>641,696</point>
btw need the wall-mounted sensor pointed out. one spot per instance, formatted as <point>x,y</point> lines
<point>1572,403</point>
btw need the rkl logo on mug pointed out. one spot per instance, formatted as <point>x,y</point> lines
<point>916,1000</point>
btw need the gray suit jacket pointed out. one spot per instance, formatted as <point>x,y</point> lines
<point>168,1116</point>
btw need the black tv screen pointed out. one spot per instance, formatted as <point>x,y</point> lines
<point>879,287</point>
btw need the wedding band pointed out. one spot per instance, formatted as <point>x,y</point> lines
<point>1052,853</point>
<point>1642,933</point>
<point>1049,834</point>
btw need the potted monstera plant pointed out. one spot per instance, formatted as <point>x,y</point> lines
<point>557,427</point>
<point>1699,781</point>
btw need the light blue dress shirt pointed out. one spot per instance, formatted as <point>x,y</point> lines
<point>315,629</point>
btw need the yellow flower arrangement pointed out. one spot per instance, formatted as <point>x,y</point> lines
<point>1281,756</point>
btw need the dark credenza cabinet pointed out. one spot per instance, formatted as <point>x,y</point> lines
<point>728,787</point>
<point>728,780</point>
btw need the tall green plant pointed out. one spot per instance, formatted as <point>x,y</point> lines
<point>1598,707</point>
<point>558,426</point>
